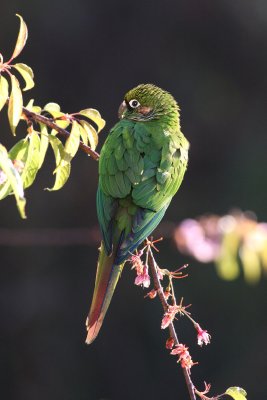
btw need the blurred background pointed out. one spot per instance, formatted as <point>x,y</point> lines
<point>212,57</point>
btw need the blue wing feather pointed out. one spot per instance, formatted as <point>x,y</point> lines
<point>144,222</point>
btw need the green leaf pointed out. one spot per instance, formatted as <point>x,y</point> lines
<point>27,73</point>
<point>43,144</point>
<point>3,91</point>
<point>84,135</point>
<point>15,104</point>
<point>18,153</point>
<point>72,144</point>
<point>22,38</point>
<point>52,107</point>
<point>62,171</point>
<point>31,107</point>
<point>54,110</point>
<point>19,150</point>
<point>32,162</point>
<point>95,116</point>
<point>14,180</point>
<point>236,393</point>
<point>91,133</point>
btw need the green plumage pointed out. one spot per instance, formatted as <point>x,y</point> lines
<point>141,167</point>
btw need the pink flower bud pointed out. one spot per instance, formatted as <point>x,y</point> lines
<point>169,343</point>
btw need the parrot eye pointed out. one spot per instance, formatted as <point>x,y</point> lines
<point>134,103</point>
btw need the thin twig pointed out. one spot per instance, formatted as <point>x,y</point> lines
<point>160,291</point>
<point>62,132</point>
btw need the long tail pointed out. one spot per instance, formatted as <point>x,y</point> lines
<point>107,277</point>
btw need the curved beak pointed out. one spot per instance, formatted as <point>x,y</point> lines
<point>122,109</point>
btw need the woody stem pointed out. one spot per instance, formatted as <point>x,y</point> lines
<point>153,268</point>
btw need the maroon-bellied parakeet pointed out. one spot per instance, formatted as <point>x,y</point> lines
<point>141,167</point>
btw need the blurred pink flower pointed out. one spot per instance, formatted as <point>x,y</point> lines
<point>192,238</point>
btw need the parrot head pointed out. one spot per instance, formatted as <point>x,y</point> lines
<point>147,102</point>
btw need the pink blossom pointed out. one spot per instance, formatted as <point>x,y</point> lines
<point>169,316</point>
<point>184,356</point>
<point>137,263</point>
<point>143,278</point>
<point>181,350</point>
<point>202,335</point>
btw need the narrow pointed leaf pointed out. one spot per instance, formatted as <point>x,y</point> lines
<point>72,144</point>
<point>14,180</point>
<point>62,171</point>
<point>236,393</point>
<point>84,135</point>
<point>22,37</point>
<point>43,144</point>
<point>91,134</point>
<point>15,104</point>
<point>3,91</point>
<point>95,116</point>
<point>32,162</point>
<point>27,73</point>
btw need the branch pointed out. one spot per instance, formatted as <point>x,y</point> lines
<point>30,115</point>
<point>153,268</point>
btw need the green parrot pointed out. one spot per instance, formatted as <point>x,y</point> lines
<point>141,167</point>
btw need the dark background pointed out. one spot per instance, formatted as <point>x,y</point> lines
<point>211,55</point>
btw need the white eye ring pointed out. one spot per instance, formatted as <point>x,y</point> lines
<point>134,103</point>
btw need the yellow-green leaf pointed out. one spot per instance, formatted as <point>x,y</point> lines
<point>54,110</point>
<point>3,91</point>
<point>92,135</point>
<point>17,153</point>
<point>15,104</point>
<point>22,37</point>
<point>62,171</point>
<point>51,107</point>
<point>27,73</point>
<point>72,144</point>
<point>251,263</point>
<point>84,135</point>
<point>43,144</point>
<point>31,107</point>
<point>236,393</point>
<point>32,162</point>
<point>19,150</point>
<point>5,189</point>
<point>14,180</point>
<point>95,116</point>
<point>227,262</point>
